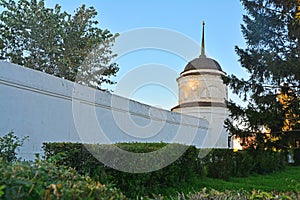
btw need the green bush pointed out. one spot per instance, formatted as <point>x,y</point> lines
<point>267,161</point>
<point>9,144</point>
<point>218,163</point>
<point>243,164</point>
<point>297,156</point>
<point>132,184</point>
<point>45,180</point>
<point>225,163</point>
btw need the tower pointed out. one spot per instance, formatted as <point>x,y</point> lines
<point>202,93</point>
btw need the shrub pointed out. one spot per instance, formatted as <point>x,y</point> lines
<point>243,164</point>
<point>218,163</point>
<point>9,144</point>
<point>267,161</point>
<point>132,184</point>
<point>297,156</point>
<point>225,163</point>
<point>45,180</point>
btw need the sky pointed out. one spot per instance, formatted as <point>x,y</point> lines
<point>158,38</point>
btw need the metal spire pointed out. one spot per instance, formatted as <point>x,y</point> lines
<point>202,44</point>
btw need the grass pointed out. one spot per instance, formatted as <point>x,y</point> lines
<point>283,181</point>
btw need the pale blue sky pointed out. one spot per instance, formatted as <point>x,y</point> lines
<point>222,30</point>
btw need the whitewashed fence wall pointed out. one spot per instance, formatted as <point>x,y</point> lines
<point>50,109</point>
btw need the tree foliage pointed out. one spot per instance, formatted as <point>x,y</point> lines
<point>55,42</point>
<point>271,29</point>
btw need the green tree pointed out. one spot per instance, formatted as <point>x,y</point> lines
<point>272,59</point>
<point>55,42</point>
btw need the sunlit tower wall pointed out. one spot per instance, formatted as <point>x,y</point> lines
<point>203,94</point>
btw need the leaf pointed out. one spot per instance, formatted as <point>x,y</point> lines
<point>57,42</point>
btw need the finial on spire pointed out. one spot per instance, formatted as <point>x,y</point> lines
<point>202,44</point>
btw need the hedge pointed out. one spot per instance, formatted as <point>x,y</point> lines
<point>78,157</point>
<point>225,163</point>
<point>297,156</point>
<point>218,163</point>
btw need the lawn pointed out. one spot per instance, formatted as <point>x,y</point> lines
<point>283,181</point>
<point>286,180</point>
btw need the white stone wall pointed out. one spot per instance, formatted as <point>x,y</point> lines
<point>217,135</point>
<point>50,109</point>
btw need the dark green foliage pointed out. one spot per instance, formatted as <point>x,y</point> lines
<point>46,180</point>
<point>218,163</point>
<point>132,184</point>
<point>272,59</point>
<point>297,156</point>
<point>69,46</point>
<point>9,144</point>
<point>225,163</point>
<point>244,163</point>
<point>268,161</point>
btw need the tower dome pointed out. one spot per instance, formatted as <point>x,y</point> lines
<point>202,63</point>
